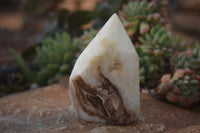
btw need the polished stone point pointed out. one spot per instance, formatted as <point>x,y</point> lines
<point>104,83</point>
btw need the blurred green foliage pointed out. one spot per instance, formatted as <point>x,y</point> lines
<point>56,57</point>
<point>58,49</point>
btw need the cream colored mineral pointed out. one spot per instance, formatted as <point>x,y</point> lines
<point>104,83</point>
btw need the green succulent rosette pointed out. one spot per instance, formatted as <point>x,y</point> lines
<point>159,39</point>
<point>56,57</point>
<point>139,16</point>
<point>187,59</point>
<point>151,65</point>
<point>182,89</point>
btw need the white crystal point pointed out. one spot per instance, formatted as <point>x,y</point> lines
<point>104,83</point>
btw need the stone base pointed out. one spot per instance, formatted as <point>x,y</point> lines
<point>49,109</point>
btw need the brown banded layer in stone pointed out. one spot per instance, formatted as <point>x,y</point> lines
<point>103,101</point>
<point>82,98</point>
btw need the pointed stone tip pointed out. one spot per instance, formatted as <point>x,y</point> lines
<point>113,25</point>
<point>113,30</point>
<point>115,17</point>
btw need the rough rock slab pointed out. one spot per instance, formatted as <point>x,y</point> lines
<point>49,110</point>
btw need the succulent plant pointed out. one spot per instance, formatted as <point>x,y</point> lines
<point>56,58</point>
<point>151,65</point>
<point>27,72</point>
<point>187,59</point>
<point>139,16</point>
<point>159,39</point>
<point>155,50</point>
<point>182,89</point>
<point>87,36</point>
<point>182,45</point>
